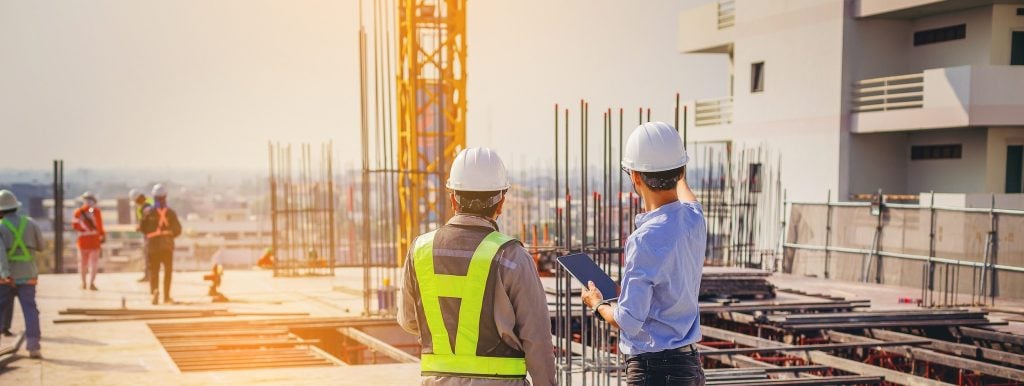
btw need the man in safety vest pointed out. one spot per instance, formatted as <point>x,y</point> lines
<point>472,294</point>
<point>160,225</point>
<point>88,222</point>
<point>20,240</point>
<point>142,204</point>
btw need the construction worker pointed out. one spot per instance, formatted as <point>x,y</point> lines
<point>472,294</point>
<point>20,240</point>
<point>88,222</point>
<point>160,225</point>
<point>142,204</point>
<point>657,313</point>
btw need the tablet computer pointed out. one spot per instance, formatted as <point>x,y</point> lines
<point>583,268</point>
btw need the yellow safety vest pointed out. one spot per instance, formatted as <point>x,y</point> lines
<point>18,250</point>
<point>463,360</point>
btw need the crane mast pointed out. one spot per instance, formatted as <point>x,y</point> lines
<point>431,96</point>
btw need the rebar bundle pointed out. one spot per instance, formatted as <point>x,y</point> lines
<point>302,211</point>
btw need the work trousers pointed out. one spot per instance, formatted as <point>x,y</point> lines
<point>6,315</point>
<point>26,294</point>
<point>668,368</point>
<point>158,257</point>
<point>88,264</point>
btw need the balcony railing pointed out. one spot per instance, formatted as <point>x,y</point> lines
<point>726,13</point>
<point>713,112</point>
<point>889,93</point>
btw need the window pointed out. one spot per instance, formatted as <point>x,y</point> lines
<point>1020,11</point>
<point>754,178</point>
<point>939,35</point>
<point>757,77</point>
<point>926,152</point>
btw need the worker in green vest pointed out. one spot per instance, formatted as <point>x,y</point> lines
<point>472,294</point>
<point>20,240</point>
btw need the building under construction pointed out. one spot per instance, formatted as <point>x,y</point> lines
<point>870,284</point>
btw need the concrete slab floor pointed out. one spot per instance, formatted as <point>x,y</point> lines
<point>127,353</point>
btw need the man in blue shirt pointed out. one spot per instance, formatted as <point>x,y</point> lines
<point>657,313</point>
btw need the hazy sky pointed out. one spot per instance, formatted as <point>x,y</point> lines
<point>205,84</point>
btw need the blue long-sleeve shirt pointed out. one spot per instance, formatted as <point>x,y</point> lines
<point>657,307</point>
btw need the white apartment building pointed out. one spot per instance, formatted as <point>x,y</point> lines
<point>908,96</point>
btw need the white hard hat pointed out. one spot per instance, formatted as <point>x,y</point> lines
<point>159,190</point>
<point>654,147</point>
<point>134,194</point>
<point>88,196</point>
<point>478,169</point>
<point>8,201</point>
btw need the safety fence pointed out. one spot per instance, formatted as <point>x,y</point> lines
<point>957,256</point>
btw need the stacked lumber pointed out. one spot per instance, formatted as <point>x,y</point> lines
<point>735,283</point>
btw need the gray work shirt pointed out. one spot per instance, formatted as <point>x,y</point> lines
<point>520,309</point>
<point>20,271</point>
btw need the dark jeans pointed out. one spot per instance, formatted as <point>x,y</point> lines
<point>665,368</point>
<point>26,295</point>
<point>157,257</point>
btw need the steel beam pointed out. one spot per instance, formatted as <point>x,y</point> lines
<point>939,358</point>
<point>379,346</point>
<point>960,349</point>
<point>823,358</point>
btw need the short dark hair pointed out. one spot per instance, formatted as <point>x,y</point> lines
<point>477,202</point>
<point>663,180</point>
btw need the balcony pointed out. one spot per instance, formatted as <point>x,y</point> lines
<point>937,98</point>
<point>708,28</point>
<point>713,112</point>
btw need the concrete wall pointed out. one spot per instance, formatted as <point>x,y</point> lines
<point>965,175</point>
<point>798,113</point>
<point>878,161</point>
<point>975,49</point>
<point>1004,22</point>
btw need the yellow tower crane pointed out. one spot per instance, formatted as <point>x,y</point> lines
<point>431,85</point>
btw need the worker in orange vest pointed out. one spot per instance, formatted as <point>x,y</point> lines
<point>160,225</point>
<point>88,222</point>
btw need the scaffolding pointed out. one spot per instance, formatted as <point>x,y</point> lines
<point>302,211</point>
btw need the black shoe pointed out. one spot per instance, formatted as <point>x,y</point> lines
<point>8,333</point>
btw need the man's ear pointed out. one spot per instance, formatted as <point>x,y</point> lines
<point>635,177</point>
<point>501,204</point>
<point>455,204</point>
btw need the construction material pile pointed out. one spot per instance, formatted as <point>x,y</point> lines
<point>880,319</point>
<point>735,283</point>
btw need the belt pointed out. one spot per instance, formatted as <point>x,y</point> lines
<point>688,349</point>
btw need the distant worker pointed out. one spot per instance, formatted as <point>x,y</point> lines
<point>472,294</point>
<point>267,260</point>
<point>160,225</point>
<point>142,204</point>
<point>657,313</point>
<point>88,222</point>
<point>20,241</point>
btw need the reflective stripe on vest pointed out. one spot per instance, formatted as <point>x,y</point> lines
<point>470,289</point>
<point>139,209</point>
<point>161,225</point>
<point>18,251</point>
